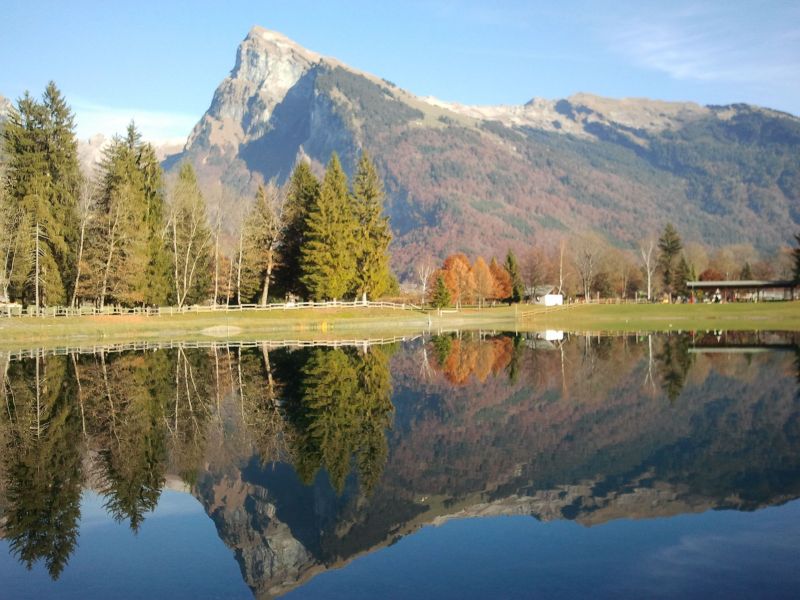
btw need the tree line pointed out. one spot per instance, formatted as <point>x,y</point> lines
<point>586,265</point>
<point>127,236</point>
<point>458,281</point>
<point>130,235</point>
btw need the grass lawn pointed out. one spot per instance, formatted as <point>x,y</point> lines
<point>343,323</point>
<point>669,317</point>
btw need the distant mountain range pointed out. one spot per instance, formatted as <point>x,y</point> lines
<point>479,179</point>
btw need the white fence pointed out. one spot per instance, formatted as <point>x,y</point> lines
<point>204,345</point>
<point>16,310</point>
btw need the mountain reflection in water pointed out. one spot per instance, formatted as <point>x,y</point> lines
<point>305,458</point>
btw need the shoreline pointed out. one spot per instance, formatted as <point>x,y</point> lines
<point>343,323</point>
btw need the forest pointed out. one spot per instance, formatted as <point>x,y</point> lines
<point>124,235</point>
<point>130,235</point>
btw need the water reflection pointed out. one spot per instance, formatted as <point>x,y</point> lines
<point>305,458</point>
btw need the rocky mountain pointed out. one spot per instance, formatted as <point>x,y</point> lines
<point>480,179</point>
<point>5,106</point>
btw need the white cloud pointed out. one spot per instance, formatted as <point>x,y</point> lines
<point>712,45</point>
<point>157,127</point>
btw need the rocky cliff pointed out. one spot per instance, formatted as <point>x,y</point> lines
<point>479,179</point>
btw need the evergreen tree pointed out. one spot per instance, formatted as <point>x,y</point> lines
<point>796,255</point>
<point>302,193</point>
<point>126,257</point>
<point>747,272</point>
<point>262,240</point>
<point>669,246</point>
<point>681,275</point>
<point>43,464</point>
<point>517,286</point>
<point>191,239</point>
<point>373,276</point>
<point>43,180</point>
<point>158,283</point>
<point>343,412</point>
<point>441,295</point>
<point>329,263</point>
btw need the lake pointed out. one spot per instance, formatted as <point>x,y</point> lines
<point>463,465</point>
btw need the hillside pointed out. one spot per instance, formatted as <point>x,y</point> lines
<point>479,179</point>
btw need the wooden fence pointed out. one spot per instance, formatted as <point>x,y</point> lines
<point>203,345</point>
<point>16,310</point>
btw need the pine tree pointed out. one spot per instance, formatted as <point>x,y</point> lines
<point>158,283</point>
<point>262,239</point>
<point>747,272</point>
<point>43,180</point>
<point>191,238</point>
<point>302,193</point>
<point>796,255</point>
<point>517,286</point>
<point>680,276</point>
<point>65,177</point>
<point>373,275</point>
<point>441,295</point>
<point>125,253</point>
<point>669,245</point>
<point>329,263</point>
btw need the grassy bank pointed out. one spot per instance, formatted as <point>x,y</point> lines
<point>339,323</point>
<point>669,317</point>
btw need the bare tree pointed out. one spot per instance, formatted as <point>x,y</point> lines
<point>262,238</point>
<point>646,250</point>
<point>239,265</point>
<point>114,234</point>
<point>588,253</point>
<point>534,269</point>
<point>10,244</point>
<point>424,270</point>
<point>217,230</point>
<point>86,201</point>
<point>191,237</point>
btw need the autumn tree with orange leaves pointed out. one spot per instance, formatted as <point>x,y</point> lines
<point>502,280</point>
<point>484,281</point>
<point>458,278</point>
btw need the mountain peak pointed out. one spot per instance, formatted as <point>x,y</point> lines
<point>268,64</point>
<point>267,39</point>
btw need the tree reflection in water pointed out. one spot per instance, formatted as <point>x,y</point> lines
<point>342,450</point>
<point>42,462</point>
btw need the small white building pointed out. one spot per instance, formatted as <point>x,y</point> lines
<point>553,300</point>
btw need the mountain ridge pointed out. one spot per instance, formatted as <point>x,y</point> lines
<point>480,179</point>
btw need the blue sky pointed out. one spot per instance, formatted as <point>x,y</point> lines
<point>160,62</point>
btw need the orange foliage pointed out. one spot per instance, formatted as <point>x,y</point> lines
<point>480,358</point>
<point>484,281</point>
<point>502,281</point>
<point>458,278</point>
<point>460,363</point>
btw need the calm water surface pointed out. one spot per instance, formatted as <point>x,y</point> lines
<point>462,466</point>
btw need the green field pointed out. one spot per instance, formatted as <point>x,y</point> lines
<point>345,323</point>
